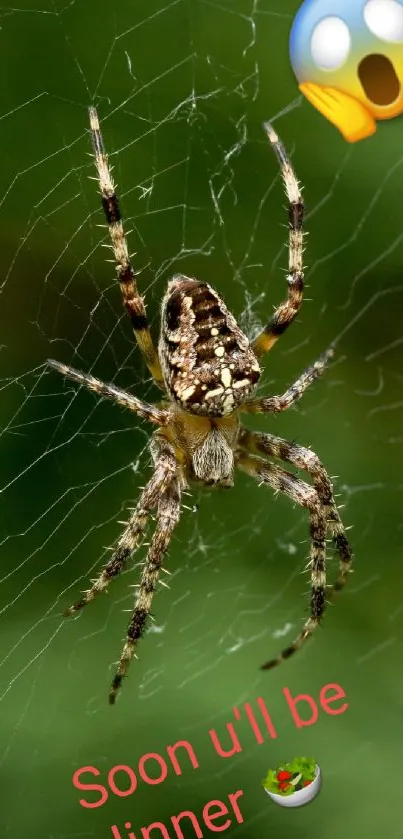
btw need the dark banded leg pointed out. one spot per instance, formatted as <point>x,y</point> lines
<point>282,481</point>
<point>167,517</point>
<point>302,458</point>
<point>164,470</point>
<point>133,302</point>
<point>273,404</point>
<point>143,409</point>
<point>287,311</point>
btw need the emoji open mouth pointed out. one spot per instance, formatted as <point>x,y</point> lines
<point>379,80</point>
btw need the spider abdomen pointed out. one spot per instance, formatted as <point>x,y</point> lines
<point>208,365</point>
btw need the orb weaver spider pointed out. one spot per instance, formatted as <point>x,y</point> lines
<point>208,371</point>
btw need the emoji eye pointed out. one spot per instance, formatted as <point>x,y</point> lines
<point>385,19</point>
<point>330,43</point>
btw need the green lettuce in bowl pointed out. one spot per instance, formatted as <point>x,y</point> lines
<point>298,781</point>
<point>290,777</point>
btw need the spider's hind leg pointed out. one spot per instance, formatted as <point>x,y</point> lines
<point>132,300</point>
<point>288,310</point>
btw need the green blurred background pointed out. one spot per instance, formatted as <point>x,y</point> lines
<point>182,89</point>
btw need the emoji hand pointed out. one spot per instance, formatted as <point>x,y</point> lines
<point>345,112</point>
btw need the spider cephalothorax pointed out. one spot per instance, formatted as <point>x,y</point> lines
<point>204,446</point>
<point>208,371</point>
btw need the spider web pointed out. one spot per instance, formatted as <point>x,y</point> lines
<point>182,89</point>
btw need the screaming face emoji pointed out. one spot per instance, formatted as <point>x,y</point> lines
<point>348,58</point>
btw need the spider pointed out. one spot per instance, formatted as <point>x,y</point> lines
<point>208,372</point>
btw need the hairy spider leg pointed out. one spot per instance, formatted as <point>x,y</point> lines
<point>273,404</point>
<point>164,470</point>
<point>302,493</point>
<point>168,512</point>
<point>287,311</point>
<point>132,300</point>
<point>257,442</point>
<point>143,409</point>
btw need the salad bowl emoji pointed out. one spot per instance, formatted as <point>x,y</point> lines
<point>293,784</point>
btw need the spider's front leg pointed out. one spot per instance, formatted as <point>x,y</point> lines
<point>168,512</point>
<point>165,467</point>
<point>302,458</point>
<point>300,492</point>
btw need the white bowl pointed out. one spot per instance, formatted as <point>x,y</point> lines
<point>302,796</point>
